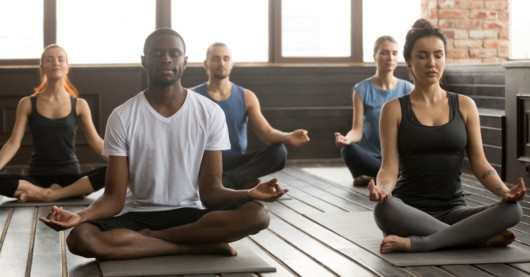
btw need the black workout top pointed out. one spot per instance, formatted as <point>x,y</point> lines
<point>430,159</point>
<point>53,142</point>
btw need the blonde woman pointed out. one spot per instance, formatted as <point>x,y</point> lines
<point>360,148</point>
<point>52,114</point>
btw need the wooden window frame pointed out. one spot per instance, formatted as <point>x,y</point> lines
<point>275,21</point>
<point>163,19</point>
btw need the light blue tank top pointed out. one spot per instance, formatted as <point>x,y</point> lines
<point>235,110</point>
<point>373,99</point>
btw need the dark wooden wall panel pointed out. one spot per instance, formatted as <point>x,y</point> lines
<point>485,84</point>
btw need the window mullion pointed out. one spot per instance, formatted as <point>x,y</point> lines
<point>50,22</point>
<point>163,13</point>
<point>356,21</point>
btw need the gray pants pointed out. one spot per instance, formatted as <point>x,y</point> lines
<point>457,227</point>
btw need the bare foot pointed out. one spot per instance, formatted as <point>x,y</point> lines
<point>362,181</point>
<point>43,195</point>
<point>503,239</point>
<point>34,194</point>
<point>393,243</point>
<point>146,232</point>
<point>55,187</point>
<point>214,249</point>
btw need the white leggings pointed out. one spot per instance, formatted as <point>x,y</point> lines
<point>457,227</point>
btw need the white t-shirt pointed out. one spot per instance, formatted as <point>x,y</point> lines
<point>165,154</point>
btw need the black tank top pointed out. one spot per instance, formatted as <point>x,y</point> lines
<point>430,159</point>
<point>53,142</point>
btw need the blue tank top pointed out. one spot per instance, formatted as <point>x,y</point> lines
<point>235,109</point>
<point>53,142</point>
<point>430,159</point>
<point>373,99</point>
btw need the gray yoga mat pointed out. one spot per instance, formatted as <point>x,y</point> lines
<point>8,202</point>
<point>12,202</point>
<point>245,261</point>
<point>360,228</point>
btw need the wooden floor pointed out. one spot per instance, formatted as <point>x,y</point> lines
<point>294,244</point>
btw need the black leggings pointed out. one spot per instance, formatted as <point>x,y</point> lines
<point>457,227</point>
<point>359,161</point>
<point>241,170</point>
<point>9,182</point>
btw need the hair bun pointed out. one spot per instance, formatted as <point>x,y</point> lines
<point>422,23</point>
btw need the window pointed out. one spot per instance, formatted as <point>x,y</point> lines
<point>313,28</point>
<point>21,36</point>
<point>388,17</point>
<point>241,24</point>
<point>101,31</point>
<point>519,25</point>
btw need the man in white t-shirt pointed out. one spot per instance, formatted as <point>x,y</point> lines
<point>163,192</point>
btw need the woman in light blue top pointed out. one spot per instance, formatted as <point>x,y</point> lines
<point>360,147</point>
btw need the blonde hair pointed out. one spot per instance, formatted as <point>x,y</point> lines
<point>68,86</point>
<point>380,41</point>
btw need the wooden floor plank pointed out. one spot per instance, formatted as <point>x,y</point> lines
<point>465,270</point>
<point>291,257</point>
<point>524,267</point>
<point>333,193</point>
<point>14,256</point>
<point>47,257</point>
<point>301,195</point>
<point>429,271</point>
<point>502,270</point>
<point>299,205</point>
<point>5,216</point>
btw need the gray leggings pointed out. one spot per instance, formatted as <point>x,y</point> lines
<point>457,227</point>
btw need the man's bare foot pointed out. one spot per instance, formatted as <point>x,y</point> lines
<point>200,249</point>
<point>55,187</point>
<point>146,232</point>
<point>361,181</point>
<point>393,243</point>
<point>503,239</point>
<point>213,249</point>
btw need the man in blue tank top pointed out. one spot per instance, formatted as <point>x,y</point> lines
<point>241,106</point>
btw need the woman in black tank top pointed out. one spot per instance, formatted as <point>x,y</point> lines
<point>424,137</point>
<point>52,114</point>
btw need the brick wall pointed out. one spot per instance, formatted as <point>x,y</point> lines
<point>477,30</point>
